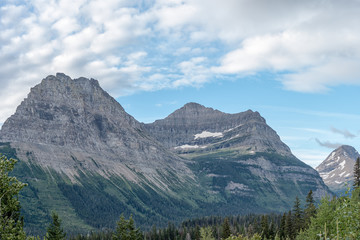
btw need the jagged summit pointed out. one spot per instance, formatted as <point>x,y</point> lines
<point>66,112</point>
<point>195,108</point>
<point>337,169</point>
<point>196,125</point>
<point>63,117</point>
<point>194,111</point>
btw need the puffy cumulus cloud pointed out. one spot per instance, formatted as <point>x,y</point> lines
<point>79,38</point>
<point>315,51</point>
<point>194,73</point>
<point>146,45</point>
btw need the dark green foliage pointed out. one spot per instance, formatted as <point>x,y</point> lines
<point>357,173</point>
<point>196,233</point>
<point>289,226</point>
<point>226,232</point>
<point>55,230</point>
<point>103,235</point>
<point>265,227</point>
<point>7,150</point>
<point>11,223</point>
<point>126,230</point>
<point>297,216</point>
<point>216,170</point>
<point>310,209</point>
<point>336,218</point>
<point>282,229</point>
<point>271,233</point>
<point>95,199</point>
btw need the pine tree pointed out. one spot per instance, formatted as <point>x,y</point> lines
<point>357,173</point>
<point>298,216</point>
<point>310,209</point>
<point>11,223</point>
<point>271,234</point>
<point>264,227</point>
<point>134,233</point>
<point>125,230</point>
<point>121,229</point>
<point>282,230</point>
<point>226,229</point>
<point>55,231</point>
<point>289,228</point>
<point>197,234</point>
<point>215,231</point>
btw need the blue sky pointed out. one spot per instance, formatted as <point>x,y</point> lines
<point>295,62</point>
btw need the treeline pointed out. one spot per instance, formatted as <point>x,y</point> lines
<point>269,226</point>
<point>334,218</point>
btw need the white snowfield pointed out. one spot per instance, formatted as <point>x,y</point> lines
<point>206,134</point>
<point>187,146</point>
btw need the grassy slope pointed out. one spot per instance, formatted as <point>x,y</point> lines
<point>95,202</point>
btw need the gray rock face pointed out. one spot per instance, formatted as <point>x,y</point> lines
<point>64,122</point>
<point>196,127</point>
<point>338,168</point>
<point>237,153</point>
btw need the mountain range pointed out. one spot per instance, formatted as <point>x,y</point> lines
<point>86,158</point>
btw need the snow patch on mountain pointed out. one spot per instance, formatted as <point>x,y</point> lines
<point>206,134</point>
<point>187,146</point>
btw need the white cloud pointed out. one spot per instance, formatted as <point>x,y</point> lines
<point>173,16</point>
<point>147,45</point>
<point>194,73</point>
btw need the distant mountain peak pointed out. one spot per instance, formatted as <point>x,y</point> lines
<point>337,169</point>
<point>346,148</point>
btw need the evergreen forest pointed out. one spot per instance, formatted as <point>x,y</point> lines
<point>333,218</point>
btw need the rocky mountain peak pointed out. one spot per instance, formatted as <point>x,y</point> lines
<point>64,119</point>
<point>191,112</point>
<point>337,169</point>
<point>197,126</point>
<point>195,111</point>
<point>192,107</point>
<point>61,111</point>
<point>347,150</point>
